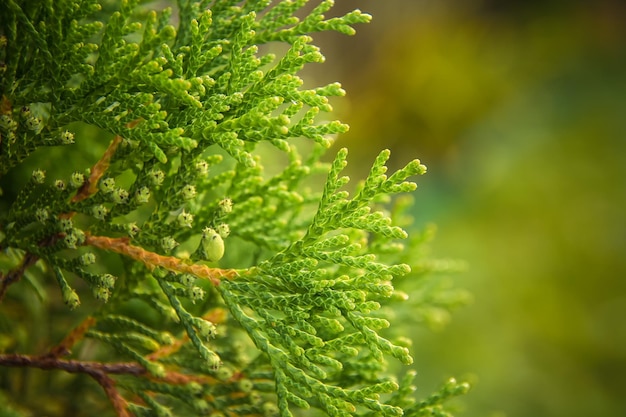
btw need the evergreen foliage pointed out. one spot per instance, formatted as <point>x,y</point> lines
<point>222,289</point>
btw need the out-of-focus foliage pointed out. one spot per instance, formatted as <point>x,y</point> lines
<point>518,108</point>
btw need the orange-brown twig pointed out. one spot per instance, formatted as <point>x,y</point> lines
<point>167,350</point>
<point>178,378</point>
<point>153,260</point>
<point>72,338</point>
<point>215,316</point>
<point>5,105</point>
<point>120,405</point>
<point>97,171</point>
<point>91,185</point>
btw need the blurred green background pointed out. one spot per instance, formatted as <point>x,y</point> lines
<point>518,108</point>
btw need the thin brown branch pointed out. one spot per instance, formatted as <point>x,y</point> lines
<point>70,365</point>
<point>120,405</point>
<point>153,260</point>
<point>28,260</point>
<point>16,274</point>
<point>101,373</point>
<point>97,370</point>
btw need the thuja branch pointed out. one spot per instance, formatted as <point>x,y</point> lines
<point>153,260</point>
<point>191,99</point>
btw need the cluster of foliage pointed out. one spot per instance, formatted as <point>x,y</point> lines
<point>208,285</point>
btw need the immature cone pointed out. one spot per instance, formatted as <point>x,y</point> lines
<point>213,245</point>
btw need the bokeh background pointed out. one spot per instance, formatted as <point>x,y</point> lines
<point>519,110</point>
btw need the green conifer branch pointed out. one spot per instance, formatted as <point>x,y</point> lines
<point>271,295</point>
